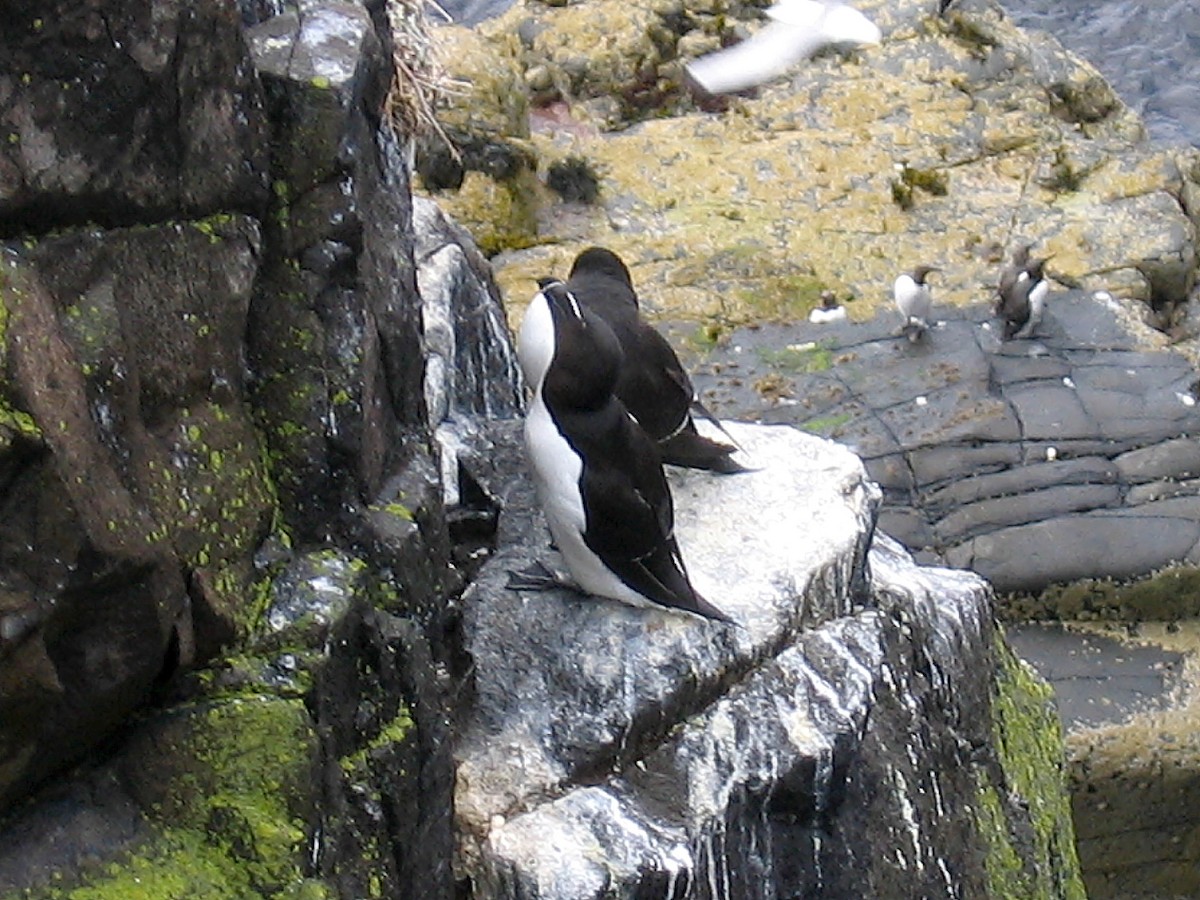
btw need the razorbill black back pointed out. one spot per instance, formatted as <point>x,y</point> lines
<point>1023,300</point>
<point>652,384</point>
<point>598,475</point>
<point>914,300</point>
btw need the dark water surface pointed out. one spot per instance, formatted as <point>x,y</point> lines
<point>1149,50</point>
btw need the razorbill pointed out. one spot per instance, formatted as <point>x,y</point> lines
<point>1023,300</point>
<point>597,473</point>
<point>797,30</point>
<point>653,384</point>
<point>1012,272</point>
<point>914,300</point>
<point>829,310</point>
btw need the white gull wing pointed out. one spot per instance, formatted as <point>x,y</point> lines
<point>797,30</point>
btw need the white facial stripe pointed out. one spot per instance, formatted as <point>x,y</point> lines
<point>575,306</point>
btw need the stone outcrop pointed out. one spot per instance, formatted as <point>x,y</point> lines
<point>215,453</point>
<point>1032,462</point>
<point>861,702</point>
<point>948,144</point>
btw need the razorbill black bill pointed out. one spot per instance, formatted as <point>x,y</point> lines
<point>914,299</point>
<point>797,30</point>
<point>653,384</point>
<point>597,473</point>
<point>1023,300</point>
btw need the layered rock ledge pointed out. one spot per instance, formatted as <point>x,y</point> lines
<point>863,702</point>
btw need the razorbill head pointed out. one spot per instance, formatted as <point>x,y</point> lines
<point>598,475</point>
<point>914,300</point>
<point>1023,300</point>
<point>797,30</point>
<point>653,384</point>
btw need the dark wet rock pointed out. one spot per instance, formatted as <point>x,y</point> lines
<point>1178,459</point>
<point>1097,679</point>
<point>190,404</point>
<point>1123,544</point>
<point>116,116</point>
<point>320,763</point>
<point>1033,461</point>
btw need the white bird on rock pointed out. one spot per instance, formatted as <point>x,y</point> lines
<point>914,300</point>
<point>797,30</point>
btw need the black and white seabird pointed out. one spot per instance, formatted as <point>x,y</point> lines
<point>653,384</point>
<point>1023,299</point>
<point>914,300</point>
<point>1010,274</point>
<point>829,310</point>
<point>597,473</point>
<point>797,30</point>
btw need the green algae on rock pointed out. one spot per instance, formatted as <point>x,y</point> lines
<point>1033,855</point>
<point>812,169</point>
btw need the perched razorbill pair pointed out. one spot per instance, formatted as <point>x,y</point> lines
<point>610,403</point>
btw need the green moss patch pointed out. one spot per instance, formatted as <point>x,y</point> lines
<point>1028,815</point>
<point>1169,595</point>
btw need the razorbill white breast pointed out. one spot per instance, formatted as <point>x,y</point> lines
<point>914,300</point>
<point>653,384</point>
<point>597,473</point>
<point>1023,299</point>
<point>797,30</point>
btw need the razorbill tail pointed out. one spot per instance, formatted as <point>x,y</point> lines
<point>653,384</point>
<point>597,473</point>
<point>1023,301</point>
<point>797,30</point>
<point>914,300</point>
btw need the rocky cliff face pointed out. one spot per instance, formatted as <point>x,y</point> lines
<point>252,437</point>
<point>214,443</point>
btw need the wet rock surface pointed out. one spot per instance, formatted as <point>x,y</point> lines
<point>1031,462</point>
<point>1128,698</point>
<point>612,750</point>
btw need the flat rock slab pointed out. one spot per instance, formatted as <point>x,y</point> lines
<point>1098,680</point>
<point>1033,462</point>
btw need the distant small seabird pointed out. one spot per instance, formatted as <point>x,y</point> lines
<point>1023,299</point>
<point>597,473</point>
<point>829,310</point>
<point>797,30</point>
<point>1012,272</point>
<point>914,300</point>
<point>653,384</point>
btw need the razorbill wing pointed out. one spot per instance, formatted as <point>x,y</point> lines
<point>1023,300</point>
<point>653,384</point>
<point>598,475</point>
<point>914,300</point>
